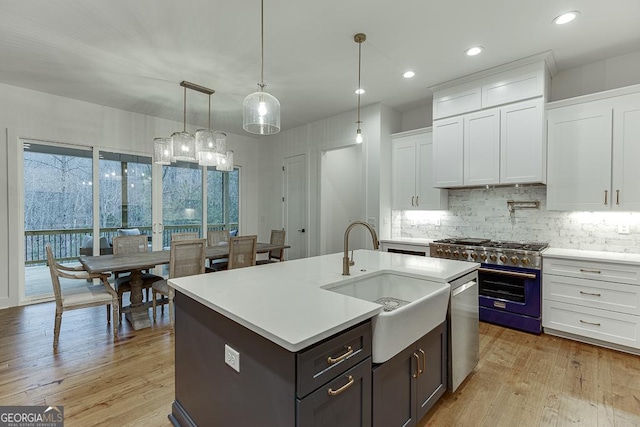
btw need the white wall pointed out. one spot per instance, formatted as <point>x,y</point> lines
<point>417,118</point>
<point>36,115</point>
<point>483,213</point>
<point>603,75</point>
<point>311,139</point>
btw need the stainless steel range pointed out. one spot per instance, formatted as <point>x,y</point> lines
<point>509,278</point>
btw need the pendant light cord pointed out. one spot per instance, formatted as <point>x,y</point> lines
<point>209,122</point>
<point>261,45</point>
<point>359,88</point>
<point>184,125</point>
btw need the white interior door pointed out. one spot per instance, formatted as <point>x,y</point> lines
<point>295,206</point>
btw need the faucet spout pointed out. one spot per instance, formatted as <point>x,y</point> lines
<point>346,263</point>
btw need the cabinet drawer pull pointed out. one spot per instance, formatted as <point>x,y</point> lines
<point>349,352</point>
<point>424,360</point>
<point>590,293</point>
<point>418,371</point>
<point>333,392</point>
<point>586,270</point>
<point>412,200</point>
<point>589,323</point>
<point>606,196</point>
<point>617,197</point>
<point>417,202</point>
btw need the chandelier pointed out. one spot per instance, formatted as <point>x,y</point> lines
<point>207,147</point>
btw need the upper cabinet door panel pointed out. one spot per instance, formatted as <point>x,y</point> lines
<point>513,89</point>
<point>427,197</point>
<point>626,153</point>
<point>482,148</point>
<point>447,103</point>
<point>448,152</point>
<point>522,153</point>
<point>579,168</point>
<point>404,172</point>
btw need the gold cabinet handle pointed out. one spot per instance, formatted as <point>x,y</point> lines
<point>606,196</point>
<point>585,270</point>
<point>349,383</point>
<point>589,323</point>
<point>417,202</point>
<point>412,199</point>
<point>424,360</point>
<point>418,371</point>
<point>349,352</point>
<point>617,197</point>
<point>589,293</point>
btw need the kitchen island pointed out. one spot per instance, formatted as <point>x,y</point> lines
<point>249,341</point>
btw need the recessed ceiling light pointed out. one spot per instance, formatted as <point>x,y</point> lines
<point>408,74</point>
<point>473,51</point>
<point>565,17</point>
<point>359,91</point>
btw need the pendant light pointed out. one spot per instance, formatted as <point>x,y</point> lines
<point>359,38</point>
<point>162,151</point>
<point>211,145</point>
<point>183,144</point>
<point>260,110</point>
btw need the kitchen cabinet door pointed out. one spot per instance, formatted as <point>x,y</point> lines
<point>579,168</point>
<point>404,173</point>
<point>626,153</point>
<point>427,196</point>
<point>448,148</point>
<point>482,148</point>
<point>522,143</point>
<point>432,382</point>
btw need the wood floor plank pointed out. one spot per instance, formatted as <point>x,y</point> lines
<point>520,380</point>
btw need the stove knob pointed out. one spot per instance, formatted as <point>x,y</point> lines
<point>493,257</point>
<point>514,260</point>
<point>464,255</point>
<point>447,252</point>
<point>474,256</point>
<point>483,257</point>
<point>525,261</point>
<point>456,254</point>
<point>439,251</point>
<point>503,258</point>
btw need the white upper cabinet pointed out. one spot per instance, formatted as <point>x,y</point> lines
<point>476,145</point>
<point>412,175</point>
<point>523,151</point>
<point>482,148</point>
<point>593,154</point>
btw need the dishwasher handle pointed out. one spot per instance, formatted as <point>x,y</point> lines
<point>463,288</point>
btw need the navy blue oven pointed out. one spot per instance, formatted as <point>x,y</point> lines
<point>511,296</point>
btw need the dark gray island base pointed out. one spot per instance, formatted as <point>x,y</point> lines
<point>331,383</point>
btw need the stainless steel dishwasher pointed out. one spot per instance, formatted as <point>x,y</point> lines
<point>464,340</point>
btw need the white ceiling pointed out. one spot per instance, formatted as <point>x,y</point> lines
<point>132,54</point>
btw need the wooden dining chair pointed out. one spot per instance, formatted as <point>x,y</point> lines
<point>185,236</point>
<point>126,245</point>
<point>242,251</point>
<point>186,259</point>
<point>88,295</point>
<point>217,238</point>
<point>275,255</point>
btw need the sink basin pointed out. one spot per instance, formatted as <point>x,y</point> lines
<point>412,307</point>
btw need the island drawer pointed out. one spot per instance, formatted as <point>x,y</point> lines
<point>332,357</point>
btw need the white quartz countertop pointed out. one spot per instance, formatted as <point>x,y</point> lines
<point>578,254</point>
<point>284,302</point>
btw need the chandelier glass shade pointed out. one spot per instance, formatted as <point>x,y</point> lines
<point>260,110</point>
<point>162,151</point>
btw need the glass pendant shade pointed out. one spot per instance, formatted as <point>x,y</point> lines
<point>162,151</point>
<point>211,146</point>
<point>226,162</point>
<point>184,146</point>
<point>261,113</point>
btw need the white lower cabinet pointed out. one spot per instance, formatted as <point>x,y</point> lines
<point>593,301</point>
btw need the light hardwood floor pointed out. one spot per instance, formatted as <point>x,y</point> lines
<point>522,379</point>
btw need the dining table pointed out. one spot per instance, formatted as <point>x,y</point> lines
<point>138,311</point>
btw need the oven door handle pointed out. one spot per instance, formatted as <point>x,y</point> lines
<point>508,273</point>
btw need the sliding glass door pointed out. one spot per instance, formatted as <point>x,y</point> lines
<point>182,197</point>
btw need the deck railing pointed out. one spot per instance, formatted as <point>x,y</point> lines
<point>66,244</point>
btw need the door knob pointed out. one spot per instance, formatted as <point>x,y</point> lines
<point>301,230</point>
